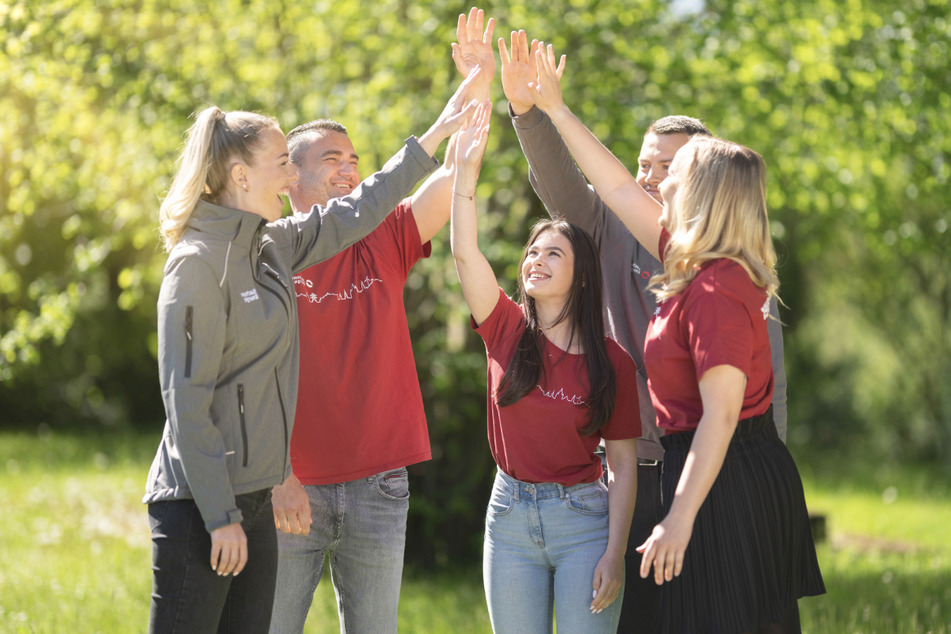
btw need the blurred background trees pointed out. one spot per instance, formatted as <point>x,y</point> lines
<point>846,100</point>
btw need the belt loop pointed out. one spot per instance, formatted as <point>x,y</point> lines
<point>517,487</point>
<point>561,491</point>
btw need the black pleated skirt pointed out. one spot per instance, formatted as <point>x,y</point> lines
<point>751,554</point>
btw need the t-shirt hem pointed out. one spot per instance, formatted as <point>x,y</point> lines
<point>365,472</point>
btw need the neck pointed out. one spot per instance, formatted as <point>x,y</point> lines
<point>559,334</point>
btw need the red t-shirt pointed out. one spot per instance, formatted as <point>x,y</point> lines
<point>537,439</point>
<point>359,407</point>
<point>719,319</point>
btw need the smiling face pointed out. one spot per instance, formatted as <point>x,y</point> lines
<point>671,184</point>
<point>548,269</point>
<point>329,169</point>
<point>657,153</point>
<point>269,175</point>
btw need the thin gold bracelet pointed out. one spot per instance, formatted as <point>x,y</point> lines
<point>472,197</point>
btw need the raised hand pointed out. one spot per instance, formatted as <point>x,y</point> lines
<point>518,71</point>
<point>474,48</point>
<point>459,108</point>
<point>470,145</point>
<point>546,91</point>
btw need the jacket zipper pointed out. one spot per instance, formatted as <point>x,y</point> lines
<point>188,342</point>
<point>244,427</point>
<point>280,399</point>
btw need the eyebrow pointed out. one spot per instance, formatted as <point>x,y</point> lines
<point>338,153</point>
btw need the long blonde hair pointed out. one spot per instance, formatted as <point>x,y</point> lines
<point>211,144</point>
<point>718,211</point>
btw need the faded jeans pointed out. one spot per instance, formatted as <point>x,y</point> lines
<point>361,525</point>
<point>542,544</point>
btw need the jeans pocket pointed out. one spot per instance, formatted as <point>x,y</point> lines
<point>393,485</point>
<point>591,500</point>
<point>157,512</point>
<point>501,503</point>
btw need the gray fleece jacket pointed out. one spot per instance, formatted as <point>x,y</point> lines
<point>627,266</point>
<point>228,341</point>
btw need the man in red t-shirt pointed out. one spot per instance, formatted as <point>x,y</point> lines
<point>360,419</point>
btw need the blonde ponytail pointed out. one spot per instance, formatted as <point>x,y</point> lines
<point>212,142</point>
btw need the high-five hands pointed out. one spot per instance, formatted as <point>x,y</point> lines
<point>473,48</point>
<point>518,71</point>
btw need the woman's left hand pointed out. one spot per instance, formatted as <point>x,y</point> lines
<point>608,579</point>
<point>546,91</point>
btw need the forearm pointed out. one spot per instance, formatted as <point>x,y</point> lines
<point>479,286</point>
<point>704,460</point>
<point>348,219</point>
<point>611,180</point>
<point>622,497</point>
<point>554,175</point>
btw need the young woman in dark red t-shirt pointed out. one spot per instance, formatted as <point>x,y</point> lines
<point>555,540</point>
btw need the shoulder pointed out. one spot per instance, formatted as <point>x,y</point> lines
<point>619,357</point>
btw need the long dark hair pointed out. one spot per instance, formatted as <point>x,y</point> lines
<point>583,311</point>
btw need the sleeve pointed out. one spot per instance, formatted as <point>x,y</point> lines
<point>719,330</point>
<point>503,323</point>
<point>406,237</point>
<point>626,419</point>
<point>308,239</point>
<point>559,183</point>
<point>779,369</point>
<point>191,338</point>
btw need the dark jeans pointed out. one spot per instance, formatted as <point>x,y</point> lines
<point>187,595</point>
<point>641,596</point>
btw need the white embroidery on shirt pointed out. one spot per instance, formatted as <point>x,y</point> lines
<point>561,396</point>
<point>765,309</point>
<point>345,295</point>
<point>250,296</point>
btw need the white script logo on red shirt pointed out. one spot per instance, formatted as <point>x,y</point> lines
<point>355,289</point>
<point>561,396</point>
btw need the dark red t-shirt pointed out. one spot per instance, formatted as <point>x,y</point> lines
<point>359,407</point>
<point>537,439</point>
<point>719,319</point>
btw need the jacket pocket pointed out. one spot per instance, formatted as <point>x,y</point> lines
<point>244,425</point>
<point>188,342</point>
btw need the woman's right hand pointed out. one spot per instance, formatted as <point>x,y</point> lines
<point>229,550</point>
<point>470,143</point>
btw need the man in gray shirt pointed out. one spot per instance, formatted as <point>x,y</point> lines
<point>627,267</point>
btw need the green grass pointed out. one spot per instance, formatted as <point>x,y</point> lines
<point>75,549</point>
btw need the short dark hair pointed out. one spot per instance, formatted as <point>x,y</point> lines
<point>679,124</point>
<point>300,137</point>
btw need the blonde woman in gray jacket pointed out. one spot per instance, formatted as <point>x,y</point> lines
<point>228,355</point>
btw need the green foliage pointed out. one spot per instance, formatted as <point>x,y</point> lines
<point>845,100</point>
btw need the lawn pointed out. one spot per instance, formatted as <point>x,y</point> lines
<point>75,550</point>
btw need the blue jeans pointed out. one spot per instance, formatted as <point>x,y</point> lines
<point>361,525</point>
<point>542,544</point>
<point>187,595</point>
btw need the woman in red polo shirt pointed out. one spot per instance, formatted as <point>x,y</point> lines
<point>734,551</point>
